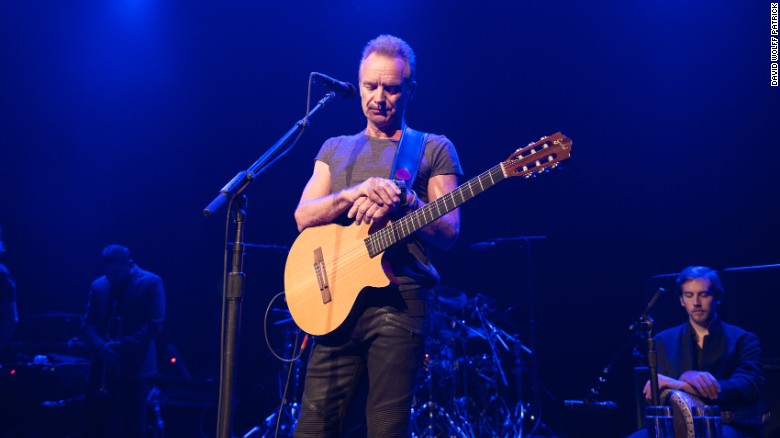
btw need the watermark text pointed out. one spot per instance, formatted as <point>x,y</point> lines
<point>774,80</point>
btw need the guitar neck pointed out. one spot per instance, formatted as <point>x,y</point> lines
<point>402,228</point>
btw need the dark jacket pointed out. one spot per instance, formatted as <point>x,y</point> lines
<point>140,305</point>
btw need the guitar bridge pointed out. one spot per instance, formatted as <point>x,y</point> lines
<point>322,276</point>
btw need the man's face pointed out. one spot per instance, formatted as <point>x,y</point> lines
<point>385,89</point>
<point>116,270</point>
<point>698,301</point>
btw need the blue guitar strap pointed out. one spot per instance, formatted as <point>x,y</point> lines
<point>407,159</point>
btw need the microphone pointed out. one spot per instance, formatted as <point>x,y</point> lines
<point>650,305</point>
<point>655,297</point>
<point>343,89</point>
<point>591,405</point>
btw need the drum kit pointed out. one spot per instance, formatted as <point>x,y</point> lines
<point>471,379</point>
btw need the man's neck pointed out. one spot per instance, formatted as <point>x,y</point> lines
<point>385,133</point>
<point>701,331</point>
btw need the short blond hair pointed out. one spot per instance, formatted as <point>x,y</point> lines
<point>393,47</point>
<point>701,272</point>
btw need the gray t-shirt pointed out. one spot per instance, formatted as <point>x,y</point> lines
<point>353,159</point>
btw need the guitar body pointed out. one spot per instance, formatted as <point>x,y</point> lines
<point>348,269</point>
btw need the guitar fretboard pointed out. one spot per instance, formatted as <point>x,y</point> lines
<point>400,229</point>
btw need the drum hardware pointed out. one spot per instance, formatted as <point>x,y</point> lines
<point>449,299</point>
<point>464,392</point>
<point>492,335</point>
<point>432,421</point>
<point>461,392</point>
<point>281,422</point>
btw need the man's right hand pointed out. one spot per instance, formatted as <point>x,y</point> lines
<point>366,210</point>
<point>704,383</point>
<point>376,198</point>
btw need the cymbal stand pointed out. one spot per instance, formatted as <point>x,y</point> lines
<point>495,408</point>
<point>281,422</point>
<point>426,414</point>
<point>534,367</point>
<point>432,411</point>
<point>524,242</point>
<point>492,334</point>
<point>517,370</point>
<point>428,429</point>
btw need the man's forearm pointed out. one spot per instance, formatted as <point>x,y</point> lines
<point>322,210</point>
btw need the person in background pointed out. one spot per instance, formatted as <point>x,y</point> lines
<point>125,312</point>
<point>717,362</point>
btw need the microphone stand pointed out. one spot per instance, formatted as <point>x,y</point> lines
<point>645,322</point>
<point>652,360</point>
<point>526,241</point>
<point>233,295</point>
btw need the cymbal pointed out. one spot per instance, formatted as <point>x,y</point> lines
<point>449,299</point>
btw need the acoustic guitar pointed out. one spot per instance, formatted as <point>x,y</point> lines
<point>329,265</point>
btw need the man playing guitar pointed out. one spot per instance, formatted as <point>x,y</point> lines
<point>382,339</point>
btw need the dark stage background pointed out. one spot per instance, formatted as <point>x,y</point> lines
<point>120,120</point>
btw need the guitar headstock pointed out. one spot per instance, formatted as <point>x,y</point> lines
<point>538,157</point>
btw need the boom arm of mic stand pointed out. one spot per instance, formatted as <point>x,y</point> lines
<point>242,179</point>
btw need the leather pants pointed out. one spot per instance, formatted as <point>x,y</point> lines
<point>384,343</point>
